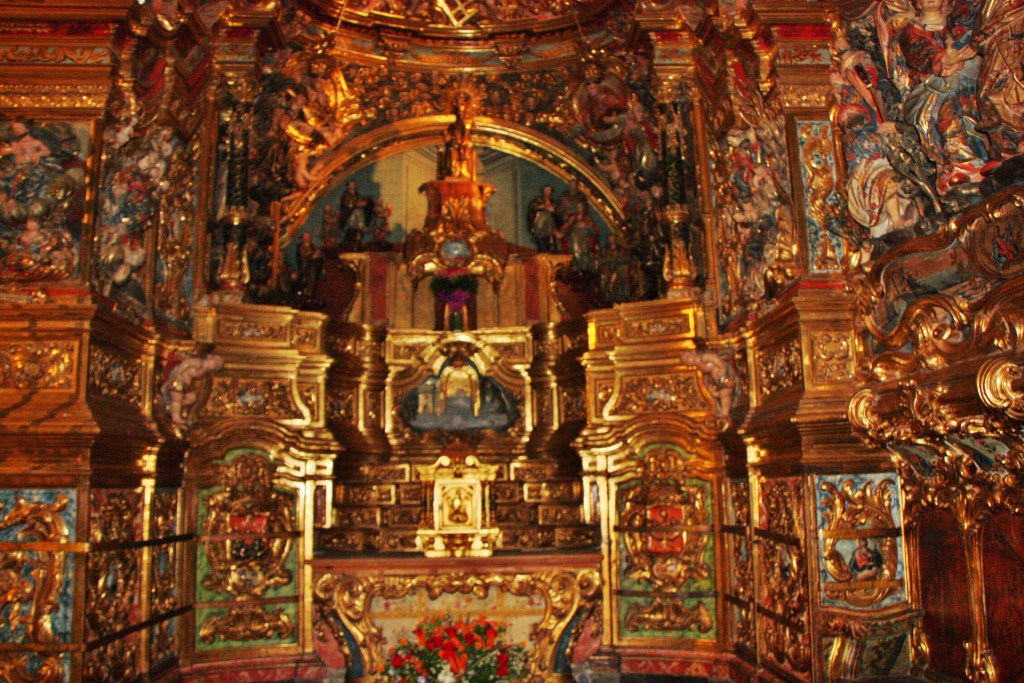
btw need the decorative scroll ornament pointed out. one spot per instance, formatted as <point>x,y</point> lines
<point>564,594</point>
<point>31,582</point>
<point>1000,386</point>
<point>663,523</point>
<point>254,528</point>
<point>916,302</point>
<point>38,365</point>
<point>848,508</point>
<point>939,455</point>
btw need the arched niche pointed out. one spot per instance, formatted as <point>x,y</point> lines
<point>552,160</point>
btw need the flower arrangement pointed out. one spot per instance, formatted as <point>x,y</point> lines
<point>447,650</point>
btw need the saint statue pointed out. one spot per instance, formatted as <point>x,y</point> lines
<point>456,159</point>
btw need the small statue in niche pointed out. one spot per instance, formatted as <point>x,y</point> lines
<point>379,228</point>
<point>456,159</point>
<point>543,221</point>
<point>353,217</point>
<point>583,238</point>
<point>309,259</point>
<point>568,203</point>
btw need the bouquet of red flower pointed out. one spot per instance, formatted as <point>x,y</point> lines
<point>454,651</point>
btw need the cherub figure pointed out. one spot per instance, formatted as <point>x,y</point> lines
<point>180,389</point>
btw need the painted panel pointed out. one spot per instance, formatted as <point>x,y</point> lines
<point>860,539</point>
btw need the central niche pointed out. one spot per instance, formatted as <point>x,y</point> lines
<point>458,397</point>
<point>387,203</point>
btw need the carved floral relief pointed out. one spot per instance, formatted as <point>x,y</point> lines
<point>42,187</point>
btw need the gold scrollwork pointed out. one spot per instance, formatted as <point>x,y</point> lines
<point>783,570</point>
<point>660,394</point>
<point>248,622</point>
<point>779,368</point>
<point>37,365</point>
<point>113,662</point>
<point>831,357</point>
<point>785,626</point>
<point>848,508</point>
<point>163,519</point>
<point>25,668</point>
<point>23,54</point>
<point>564,594</point>
<point>263,398</point>
<point>54,97</point>
<point>31,578</point>
<point>999,382</point>
<point>113,575</point>
<point>248,329</point>
<point>659,327</point>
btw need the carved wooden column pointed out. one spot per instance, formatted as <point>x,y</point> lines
<point>258,482</point>
<point>653,474</point>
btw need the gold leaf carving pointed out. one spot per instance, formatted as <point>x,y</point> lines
<point>38,365</point>
<point>265,398</point>
<point>564,594</point>
<point>41,593</point>
<point>779,368</point>
<point>115,376</point>
<point>660,394</point>
<point>831,357</point>
<point>848,508</point>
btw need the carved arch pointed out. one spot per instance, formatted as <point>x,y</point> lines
<point>512,138</point>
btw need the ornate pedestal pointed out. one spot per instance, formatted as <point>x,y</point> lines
<point>370,604</point>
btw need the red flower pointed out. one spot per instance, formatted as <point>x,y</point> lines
<point>397,660</point>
